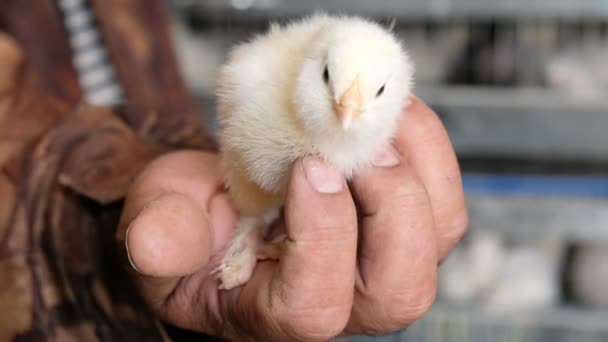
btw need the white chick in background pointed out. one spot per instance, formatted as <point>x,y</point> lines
<point>502,277</point>
<point>472,267</point>
<point>329,86</point>
<point>579,71</point>
<point>528,279</point>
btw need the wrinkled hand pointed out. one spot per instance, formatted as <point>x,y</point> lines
<point>341,274</point>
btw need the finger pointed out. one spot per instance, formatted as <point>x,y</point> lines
<point>165,228</point>
<point>397,246</point>
<point>424,141</point>
<point>312,292</point>
<point>169,239</point>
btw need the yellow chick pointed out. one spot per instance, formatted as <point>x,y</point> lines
<point>331,86</point>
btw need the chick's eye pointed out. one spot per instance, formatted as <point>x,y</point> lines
<point>381,91</point>
<point>326,75</point>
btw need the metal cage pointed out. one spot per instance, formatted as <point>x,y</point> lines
<point>520,86</point>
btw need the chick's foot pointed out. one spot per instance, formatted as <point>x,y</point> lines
<point>245,248</point>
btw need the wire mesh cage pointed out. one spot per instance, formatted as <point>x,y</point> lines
<point>466,326</point>
<point>523,67</point>
<point>520,86</point>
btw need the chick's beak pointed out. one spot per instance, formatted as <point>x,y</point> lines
<point>349,105</point>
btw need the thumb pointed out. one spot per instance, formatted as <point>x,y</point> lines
<point>165,228</point>
<point>168,239</point>
<point>316,274</point>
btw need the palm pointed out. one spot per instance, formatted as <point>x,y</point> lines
<point>333,277</point>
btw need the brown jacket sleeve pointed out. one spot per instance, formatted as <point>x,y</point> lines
<point>65,167</point>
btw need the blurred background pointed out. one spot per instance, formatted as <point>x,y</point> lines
<point>521,86</point>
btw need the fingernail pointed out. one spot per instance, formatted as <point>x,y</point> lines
<point>323,177</point>
<point>388,157</point>
<point>129,252</point>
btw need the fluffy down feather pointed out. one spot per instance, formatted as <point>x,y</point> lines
<point>324,85</point>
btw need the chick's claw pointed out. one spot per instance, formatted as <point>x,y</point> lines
<point>236,270</point>
<point>241,256</point>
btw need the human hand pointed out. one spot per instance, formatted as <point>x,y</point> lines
<point>337,277</point>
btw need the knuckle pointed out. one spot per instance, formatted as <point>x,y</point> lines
<point>318,324</point>
<point>452,230</point>
<point>331,226</point>
<point>459,224</point>
<point>394,313</point>
<point>406,309</point>
<point>411,197</point>
<point>417,307</point>
<point>345,223</point>
<point>434,130</point>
